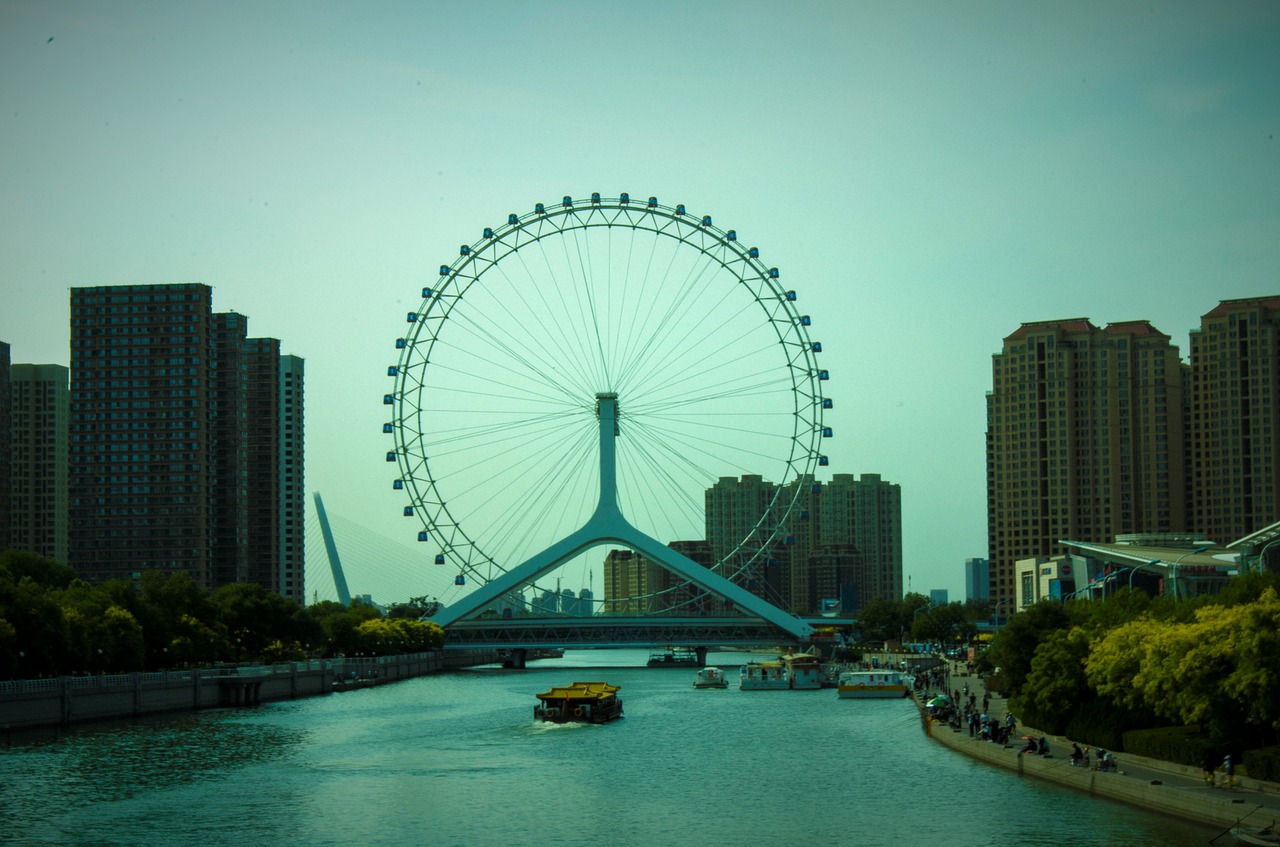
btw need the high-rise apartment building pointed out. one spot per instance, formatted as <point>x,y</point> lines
<point>1085,440</point>
<point>741,515</point>
<point>636,585</point>
<point>1235,419</point>
<point>630,583</point>
<point>841,541</point>
<point>4,446</point>
<point>866,512</point>
<point>38,459</point>
<point>179,441</point>
<point>291,558</point>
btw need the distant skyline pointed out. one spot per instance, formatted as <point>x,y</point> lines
<point>928,176</point>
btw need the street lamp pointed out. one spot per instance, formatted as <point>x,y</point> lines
<point>1262,554</point>
<point>1136,568</point>
<point>998,607</point>
<point>1175,568</point>
<point>926,607</point>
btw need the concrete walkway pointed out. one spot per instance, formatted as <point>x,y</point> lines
<point>1162,787</point>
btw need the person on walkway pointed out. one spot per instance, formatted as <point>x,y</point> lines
<point>1207,765</point>
<point>1229,772</point>
<point>1076,755</point>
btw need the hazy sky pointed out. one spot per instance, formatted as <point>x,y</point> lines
<point>929,175</point>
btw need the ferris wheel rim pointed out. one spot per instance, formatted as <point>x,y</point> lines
<point>545,222</point>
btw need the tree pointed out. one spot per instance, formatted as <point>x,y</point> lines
<point>1056,684</point>
<point>1222,669</point>
<point>1015,646</point>
<point>41,570</point>
<point>253,616</point>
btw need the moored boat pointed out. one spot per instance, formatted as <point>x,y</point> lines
<point>1260,837</point>
<point>764,676</point>
<point>854,685</point>
<point>711,677</point>
<point>581,702</point>
<point>674,658</point>
<point>804,670</point>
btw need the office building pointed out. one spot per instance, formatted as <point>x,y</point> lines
<point>976,579</point>
<point>1235,419</point>
<point>1085,440</point>
<point>38,459</point>
<point>173,407</point>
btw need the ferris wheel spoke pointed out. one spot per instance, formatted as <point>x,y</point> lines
<point>500,351</point>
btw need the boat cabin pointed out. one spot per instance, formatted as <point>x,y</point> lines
<point>582,702</point>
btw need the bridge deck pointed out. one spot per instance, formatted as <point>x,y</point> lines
<point>619,632</point>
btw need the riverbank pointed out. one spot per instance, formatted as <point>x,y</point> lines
<point>66,700</point>
<point>1162,787</point>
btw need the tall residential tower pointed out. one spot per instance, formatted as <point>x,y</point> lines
<point>178,440</point>
<point>1085,440</point>
<point>1235,419</point>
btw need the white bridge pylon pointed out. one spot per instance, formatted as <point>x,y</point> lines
<point>608,526</point>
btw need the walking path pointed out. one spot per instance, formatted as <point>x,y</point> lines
<point>1163,787</point>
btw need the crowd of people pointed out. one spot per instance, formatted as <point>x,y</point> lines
<point>960,709</point>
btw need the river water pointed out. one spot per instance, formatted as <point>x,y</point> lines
<point>457,759</point>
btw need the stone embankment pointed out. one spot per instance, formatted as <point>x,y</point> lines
<point>1157,786</point>
<point>65,700</point>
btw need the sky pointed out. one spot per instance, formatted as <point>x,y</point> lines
<point>929,175</point>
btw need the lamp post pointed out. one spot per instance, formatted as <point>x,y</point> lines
<point>1262,555</point>
<point>998,607</point>
<point>1175,568</point>
<point>926,607</point>
<point>1136,568</point>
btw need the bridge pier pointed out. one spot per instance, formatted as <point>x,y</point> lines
<point>516,658</point>
<point>701,653</point>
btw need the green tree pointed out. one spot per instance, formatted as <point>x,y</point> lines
<point>1221,670</point>
<point>254,618</point>
<point>1056,685</point>
<point>41,570</point>
<point>1013,649</point>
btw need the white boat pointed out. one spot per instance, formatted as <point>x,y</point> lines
<point>710,678</point>
<point>764,676</point>
<point>854,685</point>
<point>1262,837</point>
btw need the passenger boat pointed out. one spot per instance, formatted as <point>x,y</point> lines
<point>710,678</point>
<point>804,671</point>
<point>764,676</point>
<point>865,684</point>
<point>581,702</point>
<point>677,658</point>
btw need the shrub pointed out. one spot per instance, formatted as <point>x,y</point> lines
<point>1098,723</point>
<point>1184,745</point>
<point>1263,763</point>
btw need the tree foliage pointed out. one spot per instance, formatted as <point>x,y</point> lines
<point>52,623</point>
<point>1222,669</point>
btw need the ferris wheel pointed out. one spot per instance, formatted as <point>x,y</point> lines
<point>683,336</point>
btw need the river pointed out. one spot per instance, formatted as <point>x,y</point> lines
<point>457,759</point>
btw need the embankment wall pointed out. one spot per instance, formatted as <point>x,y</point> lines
<point>66,700</point>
